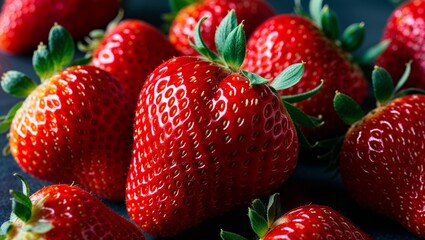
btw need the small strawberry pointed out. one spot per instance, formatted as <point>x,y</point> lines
<point>188,13</point>
<point>209,137</point>
<point>75,126</point>
<point>64,212</point>
<point>287,38</point>
<point>26,23</point>
<point>304,222</point>
<point>405,29</point>
<point>382,159</point>
<point>130,50</point>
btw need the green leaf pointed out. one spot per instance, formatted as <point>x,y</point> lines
<point>5,228</point>
<point>353,36</point>
<point>38,227</point>
<point>17,84</point>
<point>329,23</point>
<point>301,118</point>
<point>5,124</point>
<point>259,207</point>
<point>410,91</point>
<point>299,10</point>
<point>347,109</point>
<point>235,48</point>
<point>61,46</point>
<point>258,223</point>
<point>404,77</point>
<point>382,84</point>
<point>200,45</point>
<point>372,53</point>
<point>303,96</point>
<point>21,206</point>
<point>274,210</point>
<point>43,62</point>
<point>289,77</point>
<point>227,25</point>
<point>177,5</point>
<point>315,8</point>
<point>254,79</point>
<point>25,185</point>
<point>231,236</point>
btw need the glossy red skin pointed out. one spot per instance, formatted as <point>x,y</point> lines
<point>251,12</point>
<point>205,143</point>
<point>76,214</point>
<point>67,131</point>
<point>288,39</point>
<point>26,23</point>
<point>315,222</point>
<point>131,51</point>
<point>382,161</point>
<point>406,30</point>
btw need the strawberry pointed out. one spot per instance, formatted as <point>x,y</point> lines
<point>130,51</point>
<point>208,137</point>
<point>304,222</point>
<point>75,126</point>
<point>287,38</point>
<point>405,29</point>
<point>188,13</point>
<point>383,153</point>
<point>64,212</point>
<point>26,23</point>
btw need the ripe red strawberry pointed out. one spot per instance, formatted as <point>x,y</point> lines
<point>251,12</point>
<point>288,38</point>
<point>382,159</point>
<point>131,50</point>
<point>75,126</point>
<point>406,30</point>
<point>208,137</point>
<point>65,212</point>
<point>26,23</point>
<point>304,222</point>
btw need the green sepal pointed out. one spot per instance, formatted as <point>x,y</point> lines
<point>61,46</point>
<point>25,185</point>
<point>404,77</point>
<point>43,62</point>
<point>289,77</point>
<point>259,207</point>
<point>5,228</point>
<point>329,23</point>
<point>21,205</point>
<point>299,10</point>
<point>409,91</point>
<point>302,96</point>
<point>301,118</point>
<point>17,84</point>
<point>82,61</point>
<point>382,84</point>
<point>347,109</point>
<point>353,36</point>
<point>315,8</point>
<point>177,5</point>
<point>254,79</point>
<point>227,25</point>
<point>199,44</point>
<point>235,48</point>
<point>7,120</point>
<point>258,223</point>
<point>274,210</point>
<point>6,150</point>
<point>38,227</point>
<point>302,139</point>
<point>373,52</point>
<point>333,147</point>
<point>231,236</point>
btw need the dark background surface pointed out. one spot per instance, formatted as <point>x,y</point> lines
<point>309,184</point>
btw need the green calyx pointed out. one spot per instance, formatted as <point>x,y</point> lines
<point>23,209</point>
<point>261,216</point>
<point>175,7</point>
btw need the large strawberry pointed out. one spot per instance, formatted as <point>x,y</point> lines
<point>208,136</point>
<point>130,50</point>
<point>406,30</point>
<point>188,13</point>
<point>304,222</point>
<point>382,159</point>
<point>26,23</point>
<point>75,126</point>
<point>288,38</point>
<point>64,212</point>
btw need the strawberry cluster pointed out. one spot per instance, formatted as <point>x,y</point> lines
<point>190,126</point>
